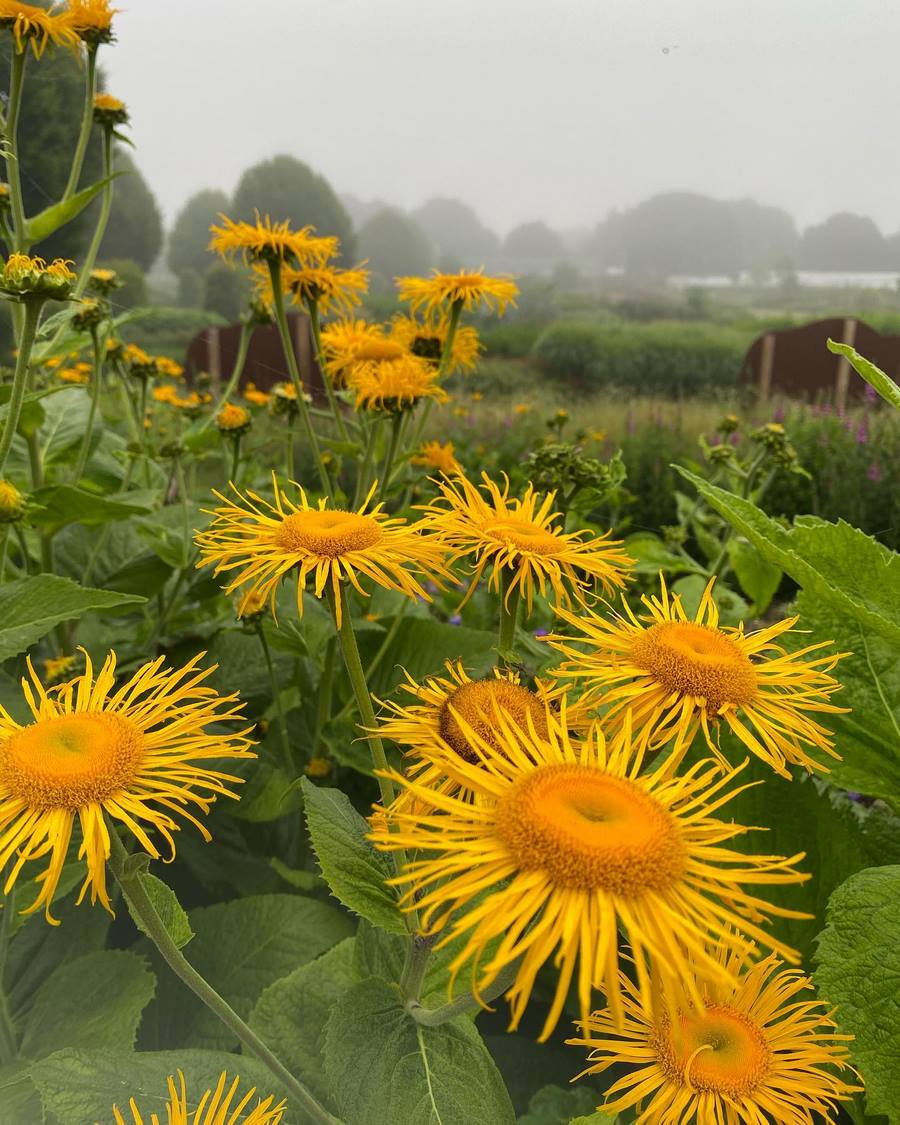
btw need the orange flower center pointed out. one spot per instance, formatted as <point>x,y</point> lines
<point>375,350</point>
<point>329,534</point>
<point>590,830</point>
<point>477,702</point>
<point>696,660</point>
<point>720,1051</point>
<point>524,535</point>
<point>70,761</point>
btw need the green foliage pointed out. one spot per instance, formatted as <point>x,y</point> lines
<point>873,375</point>
<point>859,965</point>
<point>384,1067</point>
<point>31,607</point>
<point>354,871</point>
<point>224,291</point>
<point>394,246</point>
<point>552,1105</point>
<point>286,188</point>
<point>166,904</point>
<point>168,331</point>
<point>135,228</point>
<point>132,293</point>
<point>188,242</point>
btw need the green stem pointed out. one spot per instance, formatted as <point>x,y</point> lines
<point>434,1017</point>
<point>289,451</point>
<point>102,220</point>
<point>365,468</point>
<point>312,308</point>
<point>17,78</point>
<point>509,612</point>
<point>387,467</point>
<point>145,914</point>
<point>236,372</point>
<point>9,1049</point>
<point>418,951</point>
<point>289,767</point>
<point>235,457</point>
<point>87,121</point>
<point>23,547</point>
<point>290,359</point>
<point>382,651</point>
<point>20,378</point>
<point>96,382</point>
<point>455,312</point>
<point>4,543</point>
<point>323,709</point>
<point>350,651</point>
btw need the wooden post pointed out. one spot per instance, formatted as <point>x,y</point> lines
<point>766,362</point>
<point>842,377</point>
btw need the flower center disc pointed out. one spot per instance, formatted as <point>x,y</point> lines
<point>524,535</point>
<point>696,660</point>
<point>721,1051</point>
<point>71,760</point>
<point>589,830</point>
<point>329,533</point>
<point>475,702</point>
<point>374,350</point>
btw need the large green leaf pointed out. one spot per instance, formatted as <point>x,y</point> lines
<point>553,1105</point>
<point>354,871</point>
<point>859,971</point>
<point>759,579</point>
<point>170,911</point>
<point>873,375</point>
<point>651,555</point>
<point>240,947</point>
<point>31,607</point>
<point>839,564</point>
<point>94,1001</point>
<point>64,424</point>
<point>44,223</point>
<point>164,534</point>
<point>291,1014</point>
<point>79,1087</point>
<point>63,504</point>
<point>384,1067</point>
<point>20,1101</point>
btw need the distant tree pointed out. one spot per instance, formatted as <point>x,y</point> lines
<point>135,223</point>
<point>190,290</point>
<point>133,291</point>
<point>767,235</point>
<point>534,242</point>
<point>843,242</point>
<point>394,246</point>
<point>457,233</point>
<point>48,126</point>
<point>286,188</point>
<point>189,237</point>
<point>223,291</point>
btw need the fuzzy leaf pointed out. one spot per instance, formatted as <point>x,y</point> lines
<point>759,579</point>
<point>169,909</point>
<point>873,375</point>
<point>46,222</point>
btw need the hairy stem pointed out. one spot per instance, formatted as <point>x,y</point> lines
<point>17,206</point>
<point>102,219</point>
<point>312,308</point>
<point>96,382</point>
<point>434,1017</point>
<point>236,372</point>
<point>510,597</point>
<point>20,379</point>
<point>287,756</point>
<point>87,121</point>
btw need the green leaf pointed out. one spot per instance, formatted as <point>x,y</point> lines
<point>873,375</point>
<point>354,871</point>
<point>732,607</point>
<point>44,223</point>
<point>553,1105</point>
<point>859,971</point>
<point>240,947</point>
<point>759,579</point>
<point>20,1101</point>
<point>268,795</point>
<point>78,1087</point>
<point>64,504</point>
<point>170,911</point>
<point>839,564</point>
<point>163,532</point>
<point>596,1118</point>
<point>94,1001</point>
<point>651,555</point>
<point>383,1067</point>
<point>30,607</point>
<point>291,1014</point>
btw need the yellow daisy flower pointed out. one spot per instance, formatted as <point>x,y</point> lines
<point>24,277</point>
<point>268,241</point>
<point>169,367</point>
<point>12,502</point>
<point>222,1106</point>
<point>427,337</point>
<point>557,845</point>
<point>110,111</point>
<point>434,455</point>
<point>394,384</point>
<point>756,1052</point>
<point>326,286</point>
<point>91,20</point>
<point>55,667</point>
<point>255,396</point>
<point>520,539</point>
<point>135,753</point>
<point>166,393</point>
<point>522,408</point>
<point>346,343</point>
<point>264,542</point>
<point>72,375</point>
<point>468,289</point>
<point>233,419</point>
<point>37,26</point>
<point>677,676</point>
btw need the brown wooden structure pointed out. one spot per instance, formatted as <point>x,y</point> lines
<point>797,362</point>
<point>214,350</point>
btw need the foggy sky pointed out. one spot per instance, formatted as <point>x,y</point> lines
<point>553,109</point>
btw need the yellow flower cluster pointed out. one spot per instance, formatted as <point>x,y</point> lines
<point>26,278</point>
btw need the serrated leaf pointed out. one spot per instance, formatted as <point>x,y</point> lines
<point>63,504</point>
<point>759,579</point>
<point>291,1014</point>
<point>240,947</point>
<point>46,222</point>
<point>31,607</point>
<point>383,1067</point>
<point>170,911</point>
<point>79,1087</point>
<point>352,868</point>
<point>859,971</point>
<point>874,376</point>
<point>651,555</point>
<point>94,1001</point>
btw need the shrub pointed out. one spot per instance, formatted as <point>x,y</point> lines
<point>134,288</point>
<point>223,291</point>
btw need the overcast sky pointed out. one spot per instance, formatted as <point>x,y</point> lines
<point>553,109</point>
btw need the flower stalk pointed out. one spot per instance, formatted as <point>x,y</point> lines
<point>87,121</point>
<point>32,308</point>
